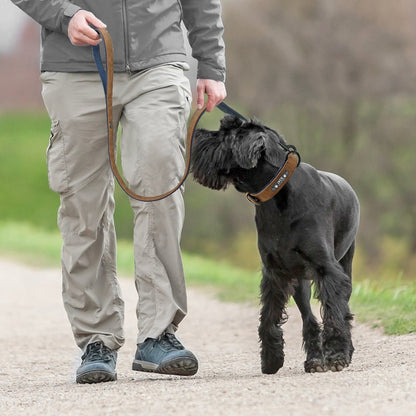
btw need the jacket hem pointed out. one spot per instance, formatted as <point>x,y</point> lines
<point>118,67</point>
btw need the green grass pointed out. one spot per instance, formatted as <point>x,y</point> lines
<point>41,248</point>
<point>24,186</point>
<point>389,304</point>
<point>24,192</point>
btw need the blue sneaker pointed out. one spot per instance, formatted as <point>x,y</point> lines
<point>98,364</point>
<point>165,355</point>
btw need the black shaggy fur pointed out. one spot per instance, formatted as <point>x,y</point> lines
<point>305,232</point>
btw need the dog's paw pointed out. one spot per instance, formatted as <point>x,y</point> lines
<point>271,363</point>
<point>337,362</point>
<point>315,365</point>
<point>271,368</point>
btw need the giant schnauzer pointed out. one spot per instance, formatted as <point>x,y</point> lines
<point>306,232</point>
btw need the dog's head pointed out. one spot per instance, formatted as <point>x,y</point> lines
<point>244,153</point>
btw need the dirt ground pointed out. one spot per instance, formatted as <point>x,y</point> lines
<point>38,360</point>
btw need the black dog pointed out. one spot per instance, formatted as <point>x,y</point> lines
<point>305,232</point>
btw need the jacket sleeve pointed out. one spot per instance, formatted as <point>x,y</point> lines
<point>51,14</point>
<point>202,19</point>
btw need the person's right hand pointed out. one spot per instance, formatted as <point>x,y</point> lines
<point>80,32</point>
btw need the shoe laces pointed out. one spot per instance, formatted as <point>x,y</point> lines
<point>97,351</point>
<point>169,341</point>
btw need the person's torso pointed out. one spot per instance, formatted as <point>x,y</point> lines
<point>145,33</point>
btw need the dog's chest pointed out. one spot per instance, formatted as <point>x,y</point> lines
<point>277,246</point>
<point>277,254</point>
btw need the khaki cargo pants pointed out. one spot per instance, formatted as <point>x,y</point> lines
<point>152,107</point>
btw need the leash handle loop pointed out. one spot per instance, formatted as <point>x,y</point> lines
<point>106,75</point>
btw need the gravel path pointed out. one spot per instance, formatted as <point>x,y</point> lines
<point>38,360</point>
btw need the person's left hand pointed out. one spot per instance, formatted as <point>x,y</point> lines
<point>215,90</point>
<point>80,32</point>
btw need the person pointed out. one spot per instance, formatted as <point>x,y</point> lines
<point>151,102</point>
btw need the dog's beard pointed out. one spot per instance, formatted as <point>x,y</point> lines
<point>212,181</point>
<point>210,160</point>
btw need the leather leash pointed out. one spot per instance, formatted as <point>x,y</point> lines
<point>106,75</point>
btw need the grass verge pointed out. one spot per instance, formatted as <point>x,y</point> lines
<point>41,248</point>
<point>389,304</point>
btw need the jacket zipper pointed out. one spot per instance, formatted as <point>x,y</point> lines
<point>126,36</point>
<point>180,8</point>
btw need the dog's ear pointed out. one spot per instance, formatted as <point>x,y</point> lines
<point>211,159</point>
<point>273,153</point>
<point>250,144</point>
<point>249,148</point>
<point>231,122</point>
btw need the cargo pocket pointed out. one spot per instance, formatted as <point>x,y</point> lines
<point>186,93</point>
<point>55,158</point>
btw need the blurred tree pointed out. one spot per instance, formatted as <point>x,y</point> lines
<point>314,55</point>
<point>337,79</point>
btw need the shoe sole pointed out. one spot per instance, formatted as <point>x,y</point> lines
<point>91,377</point>
<point>179,366</point>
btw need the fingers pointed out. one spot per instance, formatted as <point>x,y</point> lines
<point>200,95</point>
<point>79,30</point>
<point>215,90</point>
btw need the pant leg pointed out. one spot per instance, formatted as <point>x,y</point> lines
<point>78,171</point>
<point>153,124</point>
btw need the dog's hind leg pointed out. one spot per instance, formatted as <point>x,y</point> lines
<point>346,263</point>
<point>334,290</point>
<point>312,341</point>
<point>275,293</point>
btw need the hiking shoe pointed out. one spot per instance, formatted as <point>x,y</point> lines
<point>98,364</point>
<point>165,355</point>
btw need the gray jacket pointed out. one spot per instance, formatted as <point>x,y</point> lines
<point>145,33</point>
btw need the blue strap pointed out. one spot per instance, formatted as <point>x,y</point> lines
<point>228,110</point>
<point>100,66</point>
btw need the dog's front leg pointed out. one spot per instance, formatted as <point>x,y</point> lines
<point>274,296</point>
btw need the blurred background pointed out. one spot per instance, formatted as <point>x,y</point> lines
<point>336,78</point>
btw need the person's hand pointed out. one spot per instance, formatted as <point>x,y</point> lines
<point>215,90</point>
<point>79,31</point>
